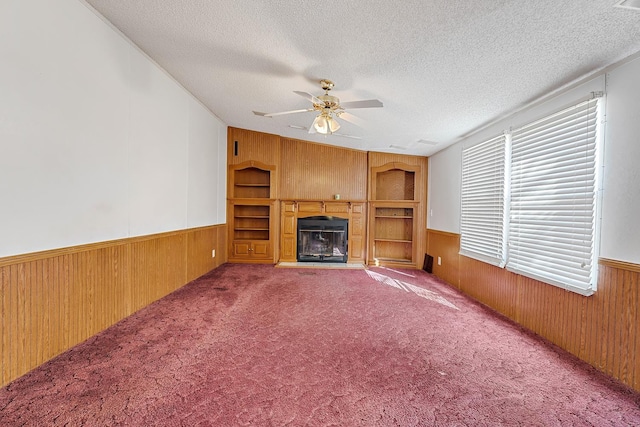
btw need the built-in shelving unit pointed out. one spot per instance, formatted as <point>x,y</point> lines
<point>251,183</point>
<point>393,214</point>
<point>251,212</point>
<point>251,222</point>
<point>392,233</point>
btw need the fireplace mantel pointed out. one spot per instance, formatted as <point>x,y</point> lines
<point>354,211</point>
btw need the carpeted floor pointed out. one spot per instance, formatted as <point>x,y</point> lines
<point>254,345</point>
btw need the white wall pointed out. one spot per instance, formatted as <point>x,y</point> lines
<point>445,177</point>
<point>620,233</point>
<point>96,141</point>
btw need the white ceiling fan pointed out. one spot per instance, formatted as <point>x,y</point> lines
<point>329,107</point>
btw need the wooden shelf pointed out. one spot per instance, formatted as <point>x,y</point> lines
<point>393,240</point>
<point>251,221</point>
<point>250,182</point>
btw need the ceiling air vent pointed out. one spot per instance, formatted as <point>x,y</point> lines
<point>629,4</point>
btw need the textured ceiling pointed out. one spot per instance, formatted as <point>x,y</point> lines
<point>442,68</point>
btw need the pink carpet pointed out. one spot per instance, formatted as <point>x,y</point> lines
<point>254,345</point>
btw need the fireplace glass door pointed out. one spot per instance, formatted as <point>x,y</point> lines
<point>322,239</point>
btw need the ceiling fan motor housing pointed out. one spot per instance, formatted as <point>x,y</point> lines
<point>326,84</point>
<point>330,102</point>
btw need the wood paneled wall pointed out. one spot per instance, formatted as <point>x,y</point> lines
<point>602,329</point>
<point>252,145</point>
<point>310,171</point>
<point>442,244</point>
<point>379,159</point>
<point>56,299</point>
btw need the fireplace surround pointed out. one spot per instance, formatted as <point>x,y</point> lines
<point>322,239</point>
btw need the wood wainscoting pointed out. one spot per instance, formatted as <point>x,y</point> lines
<point>602,329</point>
<point>55,299</point>
<point>446,246</point>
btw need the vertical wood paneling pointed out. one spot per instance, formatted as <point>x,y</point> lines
<point>263,147</point>
<point>312,171</point>
<point>10,323</point>
<point>51,283</point>
<point>64,334</point>
<point>602,329</point>
<point>596,312</point>
<point>158,267</point>
<point>573,326</point>
<point>40,302</point>
<point>490,285</point>
<point>223,245</point>
<point>199,246</point>
<point>54,300</point>
<point>24,322</point>
<point>634,333</point>
<point>615,324</point>
<point>5,338</point>
<point>78,311</point>
<point>443,245</point>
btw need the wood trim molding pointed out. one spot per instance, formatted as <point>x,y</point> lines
<point>622,265</point>
<point>444,233</point>
<point>34,256</point>
<point>325,201</point>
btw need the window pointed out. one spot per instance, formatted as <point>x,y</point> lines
<point>482,225</point>
<point>541,202</point>
<point>553,199</point>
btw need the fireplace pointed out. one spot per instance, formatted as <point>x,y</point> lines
<point>322,239</point>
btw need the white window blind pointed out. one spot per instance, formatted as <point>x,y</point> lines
<point>482,226</point>
<point>553,199</point>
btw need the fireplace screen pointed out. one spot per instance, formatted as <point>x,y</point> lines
<point>322,239</point>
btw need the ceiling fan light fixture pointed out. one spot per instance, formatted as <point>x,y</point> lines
<point>325,124</point>
<point>328,108</point>
<point>333,124</point>
<point>320,124</point>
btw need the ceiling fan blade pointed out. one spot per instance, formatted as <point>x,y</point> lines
<point>308,96</point>
<point>352,119</point>
<point>369,103</point>
<point>258,113</point>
